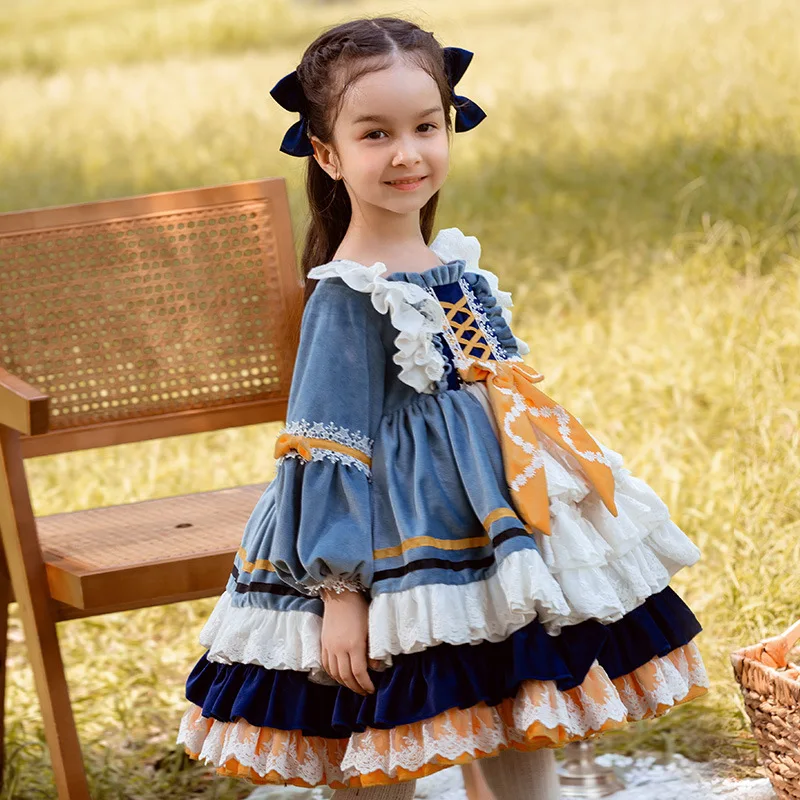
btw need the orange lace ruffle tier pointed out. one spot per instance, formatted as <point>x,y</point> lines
<point>538,716</point>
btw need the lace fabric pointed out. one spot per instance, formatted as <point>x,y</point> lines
<point>413,313</point>
<point>337,585</point>
<point>451,243</point>
<point>274,639</point>
<point>333,432</point>
<point>489,610</point>
<point>537,716</point>
<point>482,320</point>
<point>320,453</point>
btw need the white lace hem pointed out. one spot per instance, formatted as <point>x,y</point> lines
<point>451,243</point>
<point>413,312</point>
<point>575,714</point>
<point>274,639</point>
<point>222,742</point>
<point>489,610</point>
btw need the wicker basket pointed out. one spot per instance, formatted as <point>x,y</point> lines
<point>771,687</point>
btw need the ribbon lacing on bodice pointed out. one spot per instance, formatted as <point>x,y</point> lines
<point>520,409</point>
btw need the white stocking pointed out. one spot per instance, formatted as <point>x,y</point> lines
<point>516,775</point>
<point>394,791</point>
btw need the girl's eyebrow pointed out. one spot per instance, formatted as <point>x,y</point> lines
<point>378,118</point>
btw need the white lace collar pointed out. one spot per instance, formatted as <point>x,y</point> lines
<point>415,314</point>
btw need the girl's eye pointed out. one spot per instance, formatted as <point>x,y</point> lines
<point>428,125</point>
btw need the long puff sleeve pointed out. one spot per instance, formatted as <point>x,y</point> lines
<point>322,510</point>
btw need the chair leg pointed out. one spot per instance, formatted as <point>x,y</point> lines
<point>29,580</point>
<point>5,599</point>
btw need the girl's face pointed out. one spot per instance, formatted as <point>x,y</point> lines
<point>391,127</point>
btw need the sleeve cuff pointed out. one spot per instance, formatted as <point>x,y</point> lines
<point>337,585</point>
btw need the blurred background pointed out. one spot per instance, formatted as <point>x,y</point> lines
<point>635,185</point>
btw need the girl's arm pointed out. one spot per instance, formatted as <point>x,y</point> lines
<point>323,507</point>
<point>322,543</point>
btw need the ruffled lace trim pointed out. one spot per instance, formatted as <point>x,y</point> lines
<point>333,432</point>
<point>413,312</point>
<point>489,610</point>
<point>451,243</point>
<point>596,566</point>
<point>538,716</point>
<point>274,639</point>
<point>322,453</point>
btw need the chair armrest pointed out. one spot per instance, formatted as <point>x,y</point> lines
<point>22,407</point>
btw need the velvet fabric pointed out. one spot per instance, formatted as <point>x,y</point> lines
<point>421,685</point>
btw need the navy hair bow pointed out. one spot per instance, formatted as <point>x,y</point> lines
<point>468,113</point>
<point>289,94</point>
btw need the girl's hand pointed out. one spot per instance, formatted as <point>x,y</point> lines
<point>345,625</point>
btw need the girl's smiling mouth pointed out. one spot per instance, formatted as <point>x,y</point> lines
<point>406,184</point>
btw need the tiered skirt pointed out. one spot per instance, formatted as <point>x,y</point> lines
<point>577,634</point>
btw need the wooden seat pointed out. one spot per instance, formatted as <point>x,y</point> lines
<point>121,321</point>
<point>147,553</point>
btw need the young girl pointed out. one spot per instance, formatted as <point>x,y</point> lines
<point>447,566</point>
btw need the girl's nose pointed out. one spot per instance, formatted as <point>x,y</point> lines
<point>406,155</point>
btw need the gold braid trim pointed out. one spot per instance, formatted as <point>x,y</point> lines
<point>303,444</point>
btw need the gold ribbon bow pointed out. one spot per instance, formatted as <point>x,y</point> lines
<point>291,441</point>
<point>520,408</point>
<point>303,444</point>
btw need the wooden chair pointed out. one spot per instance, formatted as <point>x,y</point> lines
<point>122,321</point>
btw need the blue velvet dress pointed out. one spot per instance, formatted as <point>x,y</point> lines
<point>393,479</point>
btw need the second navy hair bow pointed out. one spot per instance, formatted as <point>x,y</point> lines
<point>289,94</point>
<point>468,113</point>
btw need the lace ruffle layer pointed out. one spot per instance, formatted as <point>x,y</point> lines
<point>281,640</point>
<point>519,591</point>
<point>539,715</point>
<point>421,685</point>
<point>603,567</point>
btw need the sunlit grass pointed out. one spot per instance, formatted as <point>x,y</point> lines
<point>635,184</point>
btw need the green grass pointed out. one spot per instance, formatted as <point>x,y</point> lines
<point>635,184</point>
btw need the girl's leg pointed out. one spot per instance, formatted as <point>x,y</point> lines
<point>514,775</point>
<point>395,791</point>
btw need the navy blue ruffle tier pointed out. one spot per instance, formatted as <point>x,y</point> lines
<point>421,685</point>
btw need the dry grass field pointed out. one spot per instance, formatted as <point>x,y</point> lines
<point>635,185</point>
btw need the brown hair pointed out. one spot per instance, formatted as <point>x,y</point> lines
<point>330,63</point>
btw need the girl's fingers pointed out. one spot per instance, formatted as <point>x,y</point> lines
<point>346,673</point>
<point>358,662</point>
<point>328,664</point>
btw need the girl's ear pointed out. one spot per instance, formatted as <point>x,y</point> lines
<point>326,158</point>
